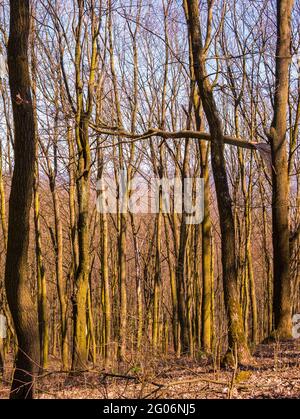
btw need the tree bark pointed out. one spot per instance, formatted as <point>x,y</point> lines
<point>280,192</point>
<point>20,301</point>
<point>236,335</point>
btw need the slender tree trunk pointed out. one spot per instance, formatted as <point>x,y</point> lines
<point>181,270</point>
<point>3,303</point>
<point>138,279</point>
<point>157,281</point>
<point>41,280</point>
<point>40,269</point>
<point>91,328</point>
<point>206,324</point>
<point>122,285</point>
<point>72,201</point>
<point>206,333</point>
<point>105,287</point>
<point>79,298</point>
<point>60,283</point>
<point>175,328</point>
<point>206,238</point>
<point>2,202</point>
<point>57,238</point>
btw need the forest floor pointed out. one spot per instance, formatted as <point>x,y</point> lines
<point>275,374</point>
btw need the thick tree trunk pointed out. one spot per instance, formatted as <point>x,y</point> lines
<point>280,210</point>
<point>236,335</point>
<point>20,301</point>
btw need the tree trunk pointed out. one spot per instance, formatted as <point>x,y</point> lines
<point>41,279</point>
<point>280,195</point>
<point>105,286</point>
<point>20,301</point>
<point>79,298</point>
<point>236,335</point>
<point>60,283</point>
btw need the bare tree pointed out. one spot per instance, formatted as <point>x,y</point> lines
<point>236,335</point>
<point>280,206</point>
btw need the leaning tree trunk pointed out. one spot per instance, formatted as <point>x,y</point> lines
<point>20,301</point>
<point>236,335</point>
<point>280,212</point>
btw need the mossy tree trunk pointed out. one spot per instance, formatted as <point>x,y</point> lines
<point>84,108</point>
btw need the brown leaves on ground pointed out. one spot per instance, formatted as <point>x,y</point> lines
<point>276,375</point>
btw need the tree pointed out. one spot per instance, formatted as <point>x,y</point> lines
<point>83,114</point>
<point>236,335</point>
<point>280,184</point>
<point>19,297</point>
